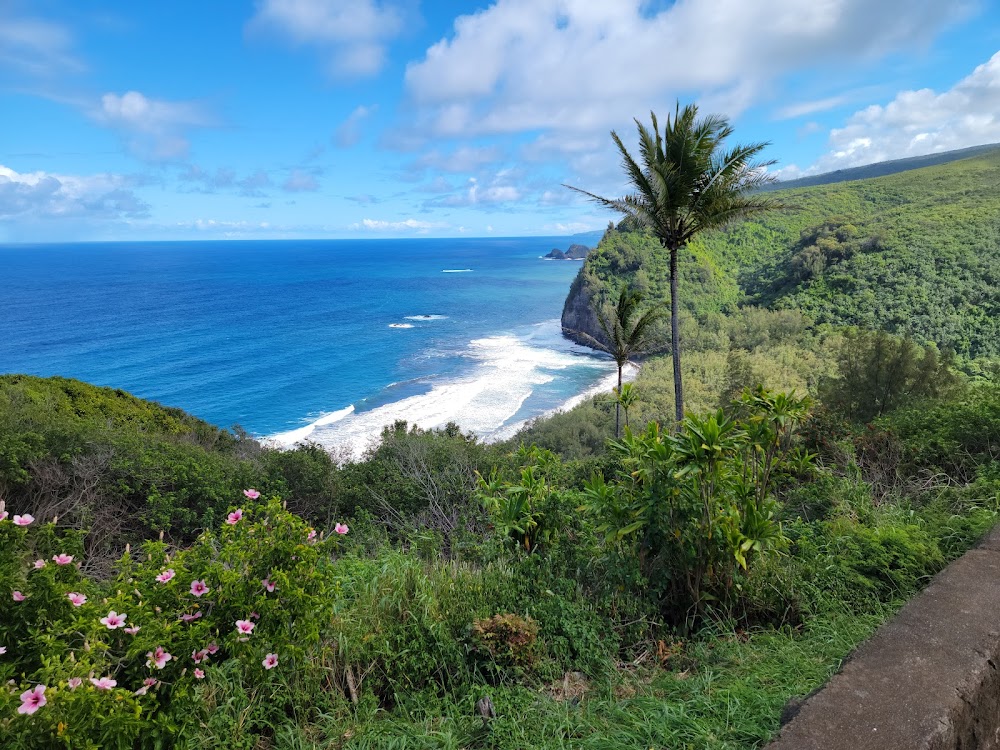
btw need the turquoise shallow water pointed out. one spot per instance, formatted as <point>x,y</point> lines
<point>326,340</point>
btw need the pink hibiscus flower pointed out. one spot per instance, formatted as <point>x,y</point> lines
<point>32,700</point>
<point>268,584</point>
<point>113,620</point>
<point>3,650</point>
<point>78,599</point>
<point>133,630</point>
<point>166,575</point>
<point>39,564</point>
<point>270,661</point>
<point>158,658</point>
<point>198,656</point>
<point>341,528</point>
<point>104,683</point>
<point>17,596</point>
<point>198,588</point>
<point>244,626</point>
<point>74,682</point>
<point>311,536</point>
<point>150,682</point>
<point>212,648</point>
<point>141,691</point>
<point>251,493</point>
<point>62,559</point>
<point>26,520</point>
<point>3,515</point>
<point>199,674</point>
<point>234,518</point>
<point>191,618</point>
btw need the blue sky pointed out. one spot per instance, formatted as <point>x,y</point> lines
<point>376,118</point>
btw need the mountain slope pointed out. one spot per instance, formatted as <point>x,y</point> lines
<point>917,253</point>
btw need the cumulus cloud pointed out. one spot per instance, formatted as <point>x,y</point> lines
<point>350,130</point>
<point>154,128</point>
<point>45,196</point>
<point>300,181</point>
<point>406,225</point>
<point>578,66</point>
<point>351,33</point>
<point>499,190</point>
<point>35,46</point>
<point>919,122</point>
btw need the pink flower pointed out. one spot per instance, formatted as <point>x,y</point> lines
<point>234,518</point>
<point>311,536</point>
<point>26,520</point>
<point>3,515</point>
<point>244,626</point>
<point>74,682</point>
<point>17,596</point>
<point>142,691</point>
<point>77,599</point>
<point>158,658</point>
<point>191,618</point>
<point>252,494</point>
<point>113,620</point>
<point>39,564</point>
<point>198,588</point>
<point>105,683</point>
<point>199,674</point>
<point>166,575</point>
<point>198,656</point>
<point>3,650</point>
<point>32,700</point>
<point>270,661</point>
<point>133,630</point>
<point>212,648</point>
<point>268,584</point>
<point>150,681</point>
<point>62,559</point>
<point>255,615</point>
<point>341,528</point>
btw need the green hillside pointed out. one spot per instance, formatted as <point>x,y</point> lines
<point>914,253</point>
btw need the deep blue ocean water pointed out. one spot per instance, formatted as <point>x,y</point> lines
<point>325,339</point>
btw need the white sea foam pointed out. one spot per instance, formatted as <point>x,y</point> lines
<point>401,325</point>
<point>291,437</point>
<point>506,370</point>
<point>426,317</point>
<point>457,270</point>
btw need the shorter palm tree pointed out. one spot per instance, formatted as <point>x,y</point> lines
<point>625,337</point>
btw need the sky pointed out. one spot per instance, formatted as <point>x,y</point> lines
<point>396,118</point>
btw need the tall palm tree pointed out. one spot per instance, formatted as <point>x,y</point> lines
<point>624,338</point>
<point>684,183</point>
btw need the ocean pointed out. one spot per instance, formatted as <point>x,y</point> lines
<point>323,340</point>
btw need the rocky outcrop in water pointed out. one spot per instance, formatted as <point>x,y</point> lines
<point>575,252</point>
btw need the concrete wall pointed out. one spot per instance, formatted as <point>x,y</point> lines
<point>927,680</point>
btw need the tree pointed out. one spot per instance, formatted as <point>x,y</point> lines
<point>625,339</point>
<point>686,183</point>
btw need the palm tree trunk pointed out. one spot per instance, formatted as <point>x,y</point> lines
<point>675,343</point>
<point>618,406</point>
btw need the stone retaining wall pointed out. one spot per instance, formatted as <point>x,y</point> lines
<point>927,680</point>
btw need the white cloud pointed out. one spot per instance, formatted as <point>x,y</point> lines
<point>154,128</point>
<point>37,47</point>
<point>920,122</point>
<point>350,131</point>
<point>300,181</point>
<point>353,33</point>
<point>498,191</point>
<point>800,109</point>
<point>33,196</point>
<point>407,225</point>
<point>578,66</point>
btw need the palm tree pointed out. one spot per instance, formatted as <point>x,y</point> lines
<point>623,338</point>
<point>684,184</point>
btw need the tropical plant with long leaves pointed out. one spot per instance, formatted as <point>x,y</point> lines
<point>626,335</point>
<point>686,182</point>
